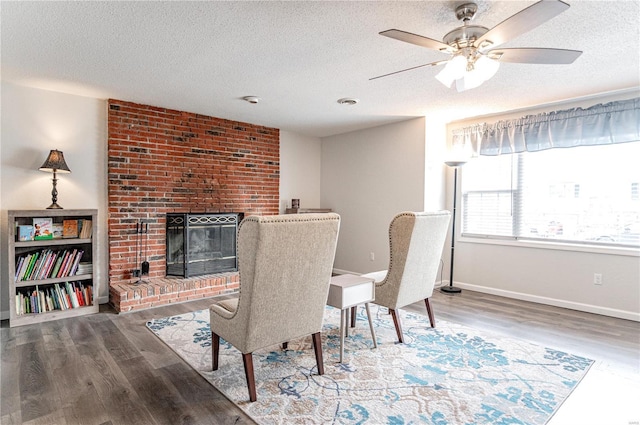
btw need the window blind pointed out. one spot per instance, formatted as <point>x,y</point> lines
<point>584,194</point>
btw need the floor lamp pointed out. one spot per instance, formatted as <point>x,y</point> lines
<point>450,289</point>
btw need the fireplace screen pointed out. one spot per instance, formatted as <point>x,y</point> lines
<point>200,244</point>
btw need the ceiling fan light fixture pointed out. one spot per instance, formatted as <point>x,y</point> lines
<point>480,71</point>
<point>487,67</point>
<point>453,70</point>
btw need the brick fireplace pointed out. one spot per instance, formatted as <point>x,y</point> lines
<point>166,161</point>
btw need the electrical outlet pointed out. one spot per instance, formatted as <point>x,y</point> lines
<point>372,256</point>
<point>597,278</point>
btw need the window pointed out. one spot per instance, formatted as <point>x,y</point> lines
<point>574,195</point>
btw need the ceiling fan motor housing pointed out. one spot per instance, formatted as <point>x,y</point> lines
<point>464,36</point>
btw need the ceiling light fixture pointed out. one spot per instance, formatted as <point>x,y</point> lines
<point>468,72</point>
<point>348,101</point>
<point>252,99</point>
<point>471,63</point>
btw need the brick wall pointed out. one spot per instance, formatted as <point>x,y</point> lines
<point>162,160</point>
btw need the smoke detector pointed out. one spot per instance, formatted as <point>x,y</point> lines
<point>252,99</point>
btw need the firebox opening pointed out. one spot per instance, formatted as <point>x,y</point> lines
<point>202,243</point>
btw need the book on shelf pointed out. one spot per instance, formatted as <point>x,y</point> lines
<point>25,232</point>
<point>84,268</point>
<point>39,299</point>
<point>37,267</point>
<point>86,228</point>
<point>42,228</point>
<point>27,266</point>
<point>47,263</point>
<point>70,228</point>
<point>57,230</point>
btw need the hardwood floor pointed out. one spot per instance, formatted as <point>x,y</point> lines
<point>109,369</point>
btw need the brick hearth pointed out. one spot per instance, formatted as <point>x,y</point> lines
<point>164,290</point>
<point>161,161</point>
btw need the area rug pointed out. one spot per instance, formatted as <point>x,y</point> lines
<point>452,374</point>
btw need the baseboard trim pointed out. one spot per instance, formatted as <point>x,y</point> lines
<point>587,308</point>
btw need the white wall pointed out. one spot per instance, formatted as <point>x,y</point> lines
<point>551,276</point>
<point>34,122</point>
<point>300,158</point>
<point>369,176</point>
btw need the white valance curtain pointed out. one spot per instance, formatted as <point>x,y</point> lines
<point>614,122</point>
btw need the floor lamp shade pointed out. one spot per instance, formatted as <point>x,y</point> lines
<point>55,163</point>
<point>450,289</point>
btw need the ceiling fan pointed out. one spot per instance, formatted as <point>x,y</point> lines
<point>474,56</point>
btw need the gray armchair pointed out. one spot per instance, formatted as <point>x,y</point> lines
<point>416,240</point>
<point>285,264</point>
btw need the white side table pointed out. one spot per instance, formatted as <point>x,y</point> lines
<point>346,291</point>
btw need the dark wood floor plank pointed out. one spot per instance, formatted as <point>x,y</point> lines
<point>154,351</point>
<point>58,418</point>
<point>38,395</point>
<point>205,400</point>
<point>114,392</point>
<point>118,345</point>
<point>73,383</point>
<point>164,403</point>
<point>10,410</point>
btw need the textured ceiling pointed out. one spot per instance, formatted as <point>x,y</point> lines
<point>301,56</point>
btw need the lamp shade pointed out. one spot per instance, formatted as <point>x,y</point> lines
<point>453,70</point>
<point>468,72</point>
<point>55,163</point>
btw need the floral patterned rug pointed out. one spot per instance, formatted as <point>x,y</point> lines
<point>452,374</point>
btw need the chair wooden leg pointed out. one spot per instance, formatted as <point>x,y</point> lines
<point>353,316</point>
<point>247,360</point>
<point>215,350</point>
<point>432,318</point>
<point>317,348</point>
<point>396,321</point>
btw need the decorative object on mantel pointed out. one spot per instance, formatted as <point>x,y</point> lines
<point>455,164</point>
<point>295,203</point>
<point>307,210</point>
<point>55,163</point>
<point>453,374</point>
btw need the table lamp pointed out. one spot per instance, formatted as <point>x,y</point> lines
<point>55,164</point>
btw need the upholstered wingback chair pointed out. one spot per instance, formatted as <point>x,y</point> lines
<point>285,264</point>
<point>416,240</point>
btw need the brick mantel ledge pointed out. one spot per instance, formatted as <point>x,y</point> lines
<point>153,292</point>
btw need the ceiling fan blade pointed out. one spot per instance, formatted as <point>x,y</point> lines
<point>409,69</point>
<point>417,40</point>
<point>535,55</point>
<point>523,21</point>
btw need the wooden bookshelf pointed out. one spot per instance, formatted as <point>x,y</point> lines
<point>44,281</point>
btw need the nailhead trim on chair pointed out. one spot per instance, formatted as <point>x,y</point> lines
<point>402,214</point>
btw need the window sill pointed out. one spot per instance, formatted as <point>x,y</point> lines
<point>559,246</point>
